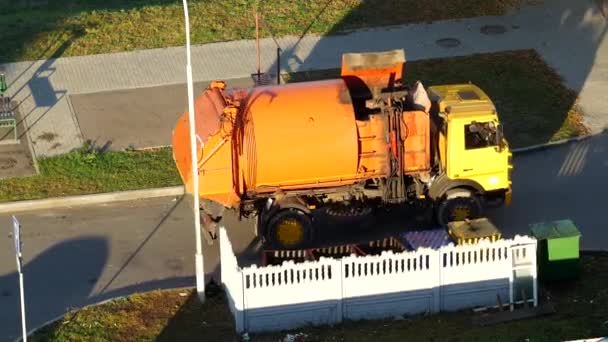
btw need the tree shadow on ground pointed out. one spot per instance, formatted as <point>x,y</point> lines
<point>536,90</point>
<point>510,82</point>
<point>213,320</point>
<point>29,19</point>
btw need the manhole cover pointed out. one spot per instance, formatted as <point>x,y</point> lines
<point>7,163</point>
<point>493,29</point>
<point>448,42</point>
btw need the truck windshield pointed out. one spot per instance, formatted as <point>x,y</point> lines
<point>480,135</point>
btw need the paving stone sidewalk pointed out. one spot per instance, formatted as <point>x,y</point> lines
<point>569,34</point>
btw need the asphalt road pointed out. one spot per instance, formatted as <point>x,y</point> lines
<point>566,182</point>
<point>83,255</point>
<point>77,256</point>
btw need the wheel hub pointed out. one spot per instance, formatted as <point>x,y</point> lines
<point>290,232</point>
<point>461,213</point>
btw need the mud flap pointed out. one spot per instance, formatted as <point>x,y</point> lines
<point>211,213</point>
<point>209,227</point>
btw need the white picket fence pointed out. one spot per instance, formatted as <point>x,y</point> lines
<point>330,290</point>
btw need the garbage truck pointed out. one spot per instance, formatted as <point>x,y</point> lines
<point>346,146</point>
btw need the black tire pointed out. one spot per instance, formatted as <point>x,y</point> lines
<point>446,211</point>
<point>425,215</point>
<point>273,236</point>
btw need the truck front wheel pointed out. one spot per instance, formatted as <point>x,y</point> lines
<point>289,229</point>
<point>458,208</point>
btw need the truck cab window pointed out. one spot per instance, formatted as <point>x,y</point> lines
<point>479,135</point>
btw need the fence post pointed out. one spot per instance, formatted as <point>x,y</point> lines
<point>233,281</point>
<point>437,291</point>
<point>240,314</point>
<point>535,272</point>
<point>339,282</point>
<point>511,271</point>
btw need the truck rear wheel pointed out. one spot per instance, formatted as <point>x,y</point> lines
<point>289,229</point>
<point>458,209</point>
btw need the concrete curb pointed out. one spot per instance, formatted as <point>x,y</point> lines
<point>70,201</point>
<point>553,143</point>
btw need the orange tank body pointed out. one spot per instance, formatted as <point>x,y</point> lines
<point>215,159</point>
<point>300,135</point>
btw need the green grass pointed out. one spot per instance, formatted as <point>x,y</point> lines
<point>83,27</point>
<point>80,173</point>
<point>530,97</point>
<point>581,312</point>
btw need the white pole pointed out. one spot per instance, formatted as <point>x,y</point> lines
<point>17,241</point>
<point>23,328</point>
<point>199,265</point>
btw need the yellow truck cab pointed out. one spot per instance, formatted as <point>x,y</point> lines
<point>474,155</point>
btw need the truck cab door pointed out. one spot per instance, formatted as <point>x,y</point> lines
<point>476,154</point>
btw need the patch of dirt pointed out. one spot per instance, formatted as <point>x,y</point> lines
<point>448,42</point>
<point>7,163</point>
<point>47,136</point>
<point>493,30</point>
<point>16,161</point>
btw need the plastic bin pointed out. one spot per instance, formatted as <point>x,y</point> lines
<point>433,238</point>
<point>471,231</point>
<point>558,249</point>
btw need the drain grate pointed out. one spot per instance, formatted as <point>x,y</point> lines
<point>493,30</point>
<point>448,42</point>
<point>7,163</point>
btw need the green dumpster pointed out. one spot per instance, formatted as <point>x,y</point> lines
<point>558,250</point>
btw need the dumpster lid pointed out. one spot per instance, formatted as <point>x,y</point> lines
<point>477,228</point>
<point>554,230</point>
